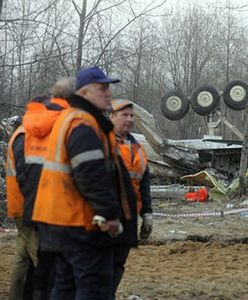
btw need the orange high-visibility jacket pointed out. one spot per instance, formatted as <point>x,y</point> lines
<point>58,201</point>
<point>15,198</point>
<point>134,157</point>
<point>37,124</point>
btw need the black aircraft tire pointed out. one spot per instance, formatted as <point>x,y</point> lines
<point>205,99</point>
<point>174,105</point>
<point>235,94</point>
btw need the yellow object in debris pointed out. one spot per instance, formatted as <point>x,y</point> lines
<point>216,189</point>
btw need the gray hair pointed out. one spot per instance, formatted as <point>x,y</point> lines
<point>64,88</point>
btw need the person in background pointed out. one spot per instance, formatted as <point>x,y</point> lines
<point>24,163</point>
<point>44,273</point>
<point>134,157</point>
<point>85,202</point>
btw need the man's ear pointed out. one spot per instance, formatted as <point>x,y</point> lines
<point>111,116</point>
<point>83,91</point>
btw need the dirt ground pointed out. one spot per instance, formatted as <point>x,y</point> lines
<point>185,258</point>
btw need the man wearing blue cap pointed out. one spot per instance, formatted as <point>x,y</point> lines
<point>85,199</point>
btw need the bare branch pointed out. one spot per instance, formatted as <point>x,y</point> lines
<point>61,57</point>
<point>144,12</point>
<point>76,7</point>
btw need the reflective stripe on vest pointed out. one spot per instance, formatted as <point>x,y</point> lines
<point>138,175</point>
<point>135,175</point>
<point>39,160</point>
<point>57,166</point>
<point>14,196</point>
<point>10,166</point>
<point>86,157</point>
<point>10,171</point>
<point>142,161</point>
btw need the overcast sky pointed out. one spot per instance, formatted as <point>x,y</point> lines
<point>185,3</point>
<point>207,2</point>
<point>217,3</point>
<point>238,5</point>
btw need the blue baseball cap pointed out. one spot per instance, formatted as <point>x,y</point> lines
<point>92,75</point>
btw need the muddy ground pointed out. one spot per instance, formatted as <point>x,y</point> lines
<point>185,258</point>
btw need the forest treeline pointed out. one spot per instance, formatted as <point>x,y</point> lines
<point>152,48</point>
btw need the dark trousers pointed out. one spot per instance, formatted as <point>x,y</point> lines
<point>84,275</point>
<point>120,257</point>
<point>28,286</point>
<point>44,275</point>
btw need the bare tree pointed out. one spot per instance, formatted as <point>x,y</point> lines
<point>46,40</point>
<point>82,20</point>
<point>1,7</point>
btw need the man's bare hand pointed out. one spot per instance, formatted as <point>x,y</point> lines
<point>112,227</point>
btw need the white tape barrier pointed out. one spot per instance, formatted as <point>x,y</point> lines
<point>187,215</point>
<point>203,214</point>
<point>7,230</point>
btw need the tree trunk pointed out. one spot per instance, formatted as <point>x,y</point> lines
<point>1,6</point>
<point>81,35</point>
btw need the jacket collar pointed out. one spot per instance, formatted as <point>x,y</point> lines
<point>129,138</point>
<point>81,103</point>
